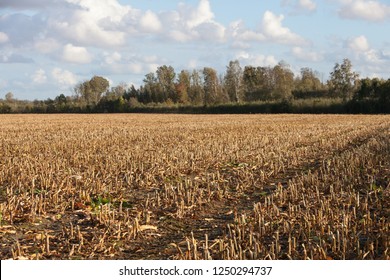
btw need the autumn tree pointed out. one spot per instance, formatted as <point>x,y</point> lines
<point>233,81</point>
<point>9,97</point>
<point>343,80</point>
<point>282,81</point>
<point>166,79</point>
<point>308,81</point>
<point>183,86</point>
<point>196,91</point>
<point>91,91</point>
<point>210,86</point>
<point>257,83</point>
<point>152,90</point>
<point>116,92</point>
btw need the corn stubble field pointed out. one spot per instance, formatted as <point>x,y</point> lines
<point>194,187</point>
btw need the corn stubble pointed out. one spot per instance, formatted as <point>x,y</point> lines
<point>194,187</point>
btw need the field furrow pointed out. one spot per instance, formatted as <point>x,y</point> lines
<point>194,187</point>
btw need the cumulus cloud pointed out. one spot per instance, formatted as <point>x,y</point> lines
<point>111,58</point>
<point>91,22</point>
<point>39,77</point>
<point>256,59</point>
<point>130,64</point>
<point>271,30</point>
<point>76,54</point>
<point>194,17</point>
<point>150,22</point>
<point>359,44</point>
<point>365,9</point>
<point>362,50</point>
<point>64,77</point>
<point>189,23</point>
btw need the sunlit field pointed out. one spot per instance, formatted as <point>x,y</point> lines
<point>194,187</point>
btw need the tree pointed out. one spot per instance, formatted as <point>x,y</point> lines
<point>369,89</point>
<point>308,81</point>
<point>91,91</point>
<point>343,81</point>
<point>196,91</point>
<point>166,79</point>
<point>132,92</point>
<point>210,85</point>
<point>9,97</point>
<point>98,86</point>
<point>183,86</point>
<point>233,80</point>
<point>116,92</point>
<point>61,99</point>
<point>283,81</point>
<point>152,90</point>
<point>257,83</point>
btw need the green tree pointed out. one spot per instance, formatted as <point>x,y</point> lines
<point>343,80</point>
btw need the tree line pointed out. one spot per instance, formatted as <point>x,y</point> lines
<point>236,89</point>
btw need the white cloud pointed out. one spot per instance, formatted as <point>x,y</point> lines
<point>91,22</point>
<point>117,63</point>
<point>150,22</point>
<point>306,55</point>
<point>365,9</point>
<point>194,17</point>
<point>39,77</point>
<point>190,23</point>
<point>111,58</point>
<point>359,44</point>
<point>256,59</point>
<point>3,38</point>
<point>270,30</point>
<point>210,31</point>
<point>64,77</point>
<point>363,52</point>
<point>76,54</point>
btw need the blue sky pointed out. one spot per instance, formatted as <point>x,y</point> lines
<point>48,46</point>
